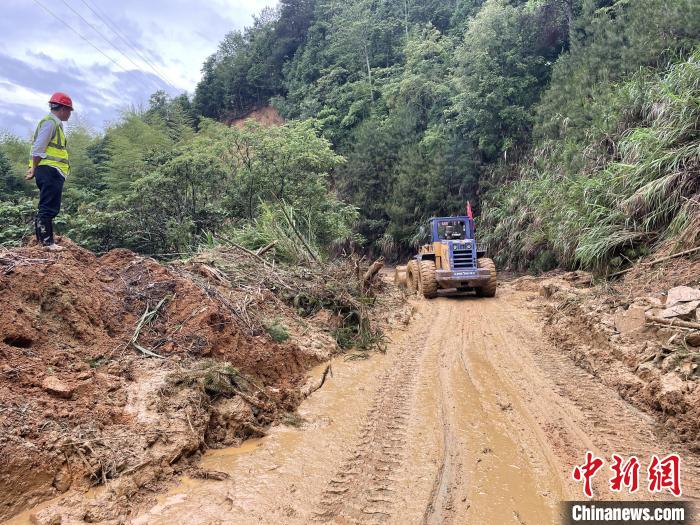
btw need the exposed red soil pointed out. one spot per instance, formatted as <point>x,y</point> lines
<point>80,405</point>
<point>266,116</point>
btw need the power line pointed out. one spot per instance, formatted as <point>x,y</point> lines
<point>81,36</point>
<point>40,4</point>
<point>162,76</point>
<point>105,20</point>
<point>138,67</point>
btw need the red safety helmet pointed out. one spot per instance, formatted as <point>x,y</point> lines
<point>61,98</point>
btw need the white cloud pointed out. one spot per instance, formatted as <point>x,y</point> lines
<point>21,95</point>
<point>44,55</point>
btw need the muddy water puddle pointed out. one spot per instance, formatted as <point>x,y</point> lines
<point>503,487</point>
<point>432,432</point>
<point>25,518</point>
<point>273,478</point>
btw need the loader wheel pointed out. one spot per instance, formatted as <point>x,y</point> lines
<point>428,282</point>
<point>412,276</point>
<point>488,289</point>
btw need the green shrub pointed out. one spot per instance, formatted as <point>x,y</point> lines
<point>277,331</point>
<point>620,193</point>
<point>16,219</point>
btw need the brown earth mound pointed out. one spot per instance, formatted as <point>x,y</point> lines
<point>82,398</point>
<point>266,116</point>
<point>624,334</point>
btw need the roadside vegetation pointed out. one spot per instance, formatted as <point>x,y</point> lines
<point>571,124</point>
<point>153,184</point>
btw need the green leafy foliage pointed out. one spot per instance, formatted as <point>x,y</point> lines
<point>570,124</point>
<point>502,65</point>
<point>15,218</point>
<point>277,331</point>
<point>154,185</point>
<point>608,205</point>
<point>421,98</point>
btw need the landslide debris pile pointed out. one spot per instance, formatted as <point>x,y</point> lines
<point>640,336</point>
<point>120,368</point>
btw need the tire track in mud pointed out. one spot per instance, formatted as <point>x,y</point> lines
<point>619,428</point>
<point>471,417</point>
<point>440,508</point>
<point>363,488</point>
<point>486,471</point>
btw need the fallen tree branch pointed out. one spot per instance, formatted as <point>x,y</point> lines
<point>147,317</point>
<point>251,253</point>
<point>372,271</point>
<point>258,258</point>
<point>657,261</point>
<point>201,473</point>
<point>266,249</point>
<point>307,392</point>
<point>213,272</point>
<point>135,468</point>
<point>653,323</point>
<point>250,399</point>
<point>672,322</point>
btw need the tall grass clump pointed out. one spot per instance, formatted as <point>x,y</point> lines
<point>607,202</point>
<point>300,235</point>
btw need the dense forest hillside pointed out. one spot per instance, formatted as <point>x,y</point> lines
<point>571,124</point>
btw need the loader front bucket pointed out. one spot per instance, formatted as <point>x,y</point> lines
<point>400,276</point>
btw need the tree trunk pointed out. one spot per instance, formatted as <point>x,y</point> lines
<point>369,72</point>
<point>371,272</point>
<point>405,16</point>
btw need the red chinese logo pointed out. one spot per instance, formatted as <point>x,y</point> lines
<point>626,474</point>
<point>586,472</point>
<point>665,474</point>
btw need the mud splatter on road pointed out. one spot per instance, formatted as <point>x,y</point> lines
<point>471,416</point>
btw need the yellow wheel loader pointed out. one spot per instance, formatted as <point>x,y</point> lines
<point>451,262</point>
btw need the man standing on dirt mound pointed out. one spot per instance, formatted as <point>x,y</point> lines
<point>49,165</point>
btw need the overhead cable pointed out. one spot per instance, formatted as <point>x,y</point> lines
<point>81,36</point>
<point>138,67</point>
<point>105,20</point>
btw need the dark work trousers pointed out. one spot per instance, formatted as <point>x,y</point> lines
<point>50,183</point>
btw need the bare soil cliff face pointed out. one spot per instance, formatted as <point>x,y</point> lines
<point>81,405</point>
<point>266,116</point>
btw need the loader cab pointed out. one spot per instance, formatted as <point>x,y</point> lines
<point>451,229</point>
<point>452,245</point>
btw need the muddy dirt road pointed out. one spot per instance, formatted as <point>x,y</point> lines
<point>470,417</point>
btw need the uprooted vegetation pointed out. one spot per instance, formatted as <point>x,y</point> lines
<point>118,371</point>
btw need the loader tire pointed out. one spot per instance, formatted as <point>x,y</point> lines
<point>428,282</point>
<point>412,276</point>
<point>488,289</point>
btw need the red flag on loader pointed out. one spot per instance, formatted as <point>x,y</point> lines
<point>469,210</point>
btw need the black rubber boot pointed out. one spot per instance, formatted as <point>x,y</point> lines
<point>43,228</point>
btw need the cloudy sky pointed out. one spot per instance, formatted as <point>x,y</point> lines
<point>163,44</point>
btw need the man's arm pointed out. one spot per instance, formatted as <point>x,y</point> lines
<point>32,168</point>
<point>39,146</point>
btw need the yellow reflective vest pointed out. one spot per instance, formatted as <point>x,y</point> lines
<point>56,150</point>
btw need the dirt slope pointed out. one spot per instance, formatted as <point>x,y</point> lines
<point>266,116</point>
<point>473,415</point>
<point>82,405</point>
<point>612,331</point>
